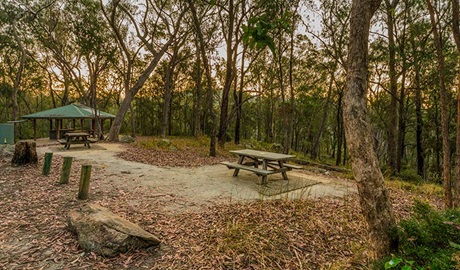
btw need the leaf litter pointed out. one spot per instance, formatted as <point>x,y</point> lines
<point>326,233</point>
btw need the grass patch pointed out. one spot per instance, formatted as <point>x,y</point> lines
<point>424,189</point>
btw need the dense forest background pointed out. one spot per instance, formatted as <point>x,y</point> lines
<point>236,70</point>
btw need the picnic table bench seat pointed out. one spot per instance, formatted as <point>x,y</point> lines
<point>292,166</point>
<point>257,171</point>
<point>259,162</point>
<point>62,141</point>
<point>91,140</point>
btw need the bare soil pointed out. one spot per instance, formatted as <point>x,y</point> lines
<point>195,186</point>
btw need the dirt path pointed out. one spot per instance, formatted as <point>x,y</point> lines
<point>193,187</point>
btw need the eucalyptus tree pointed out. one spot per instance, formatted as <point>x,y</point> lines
<point>335,16</point>
<point>403,100</point>
<point>397,19</point>
<point>50,23</point>
<point>390,9</point>
<point>198,24</point>
<point>293,25</point>
<point>205,32</point>
<point>178,54</point>
<point>435,21</point>
<point>21,82</point>
<point>94,43</point>
<point>456,32</point>
<point>284,23</point>
<point>274,25</point>
<point>374,198</point>
<point>143,31</point>
<point>232,14</point>
<point>417,44</point>
<point>10,15</point>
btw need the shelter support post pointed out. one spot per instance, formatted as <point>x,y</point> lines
<point>102,128</point>
<point>58,128</point>
<point>34,124</point>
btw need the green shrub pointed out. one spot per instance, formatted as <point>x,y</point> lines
<point>400,263</point>
<point>430,237</point>
<point>410,176</point>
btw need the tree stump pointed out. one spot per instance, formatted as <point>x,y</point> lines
<point>24,153</point>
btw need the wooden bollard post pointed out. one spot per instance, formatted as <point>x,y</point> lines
<point>65,173</point>
<point>84,182</point>
<point>47,163</point>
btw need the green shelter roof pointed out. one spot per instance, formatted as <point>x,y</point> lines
<point>72,111</point>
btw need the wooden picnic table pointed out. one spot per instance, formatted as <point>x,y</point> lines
<point>76,138</point>
<point>271,163</point>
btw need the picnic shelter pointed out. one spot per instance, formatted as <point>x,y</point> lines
<point>65,119</point>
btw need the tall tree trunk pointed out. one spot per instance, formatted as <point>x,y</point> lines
<point>438,143</point>
<point>18,78</point>
<point>419,124</point>
<point>393,109</point>
<point>65,95</point>
<point>374,198</point>
<point>133,120</point>
<point>259,116</point>
<point>456,31</point>
<point>238,96</point>
<point>402,95</point>
<point>444,109</point>
<point>229,75</point>
<point>339,129</point>
<point>197,101</point>
<point>168,92</point>
<point>402,120</point>
<point>207,68</point>
<point>116,125</point>
<point>291,109</point>
<point>93,70</point>
<point>269,130</point>
<point>345,149</point>
<point>315,149</point>
<point>50,86</point>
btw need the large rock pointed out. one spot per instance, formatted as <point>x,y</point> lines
<point>127,139</point>
<point>107,234</point>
